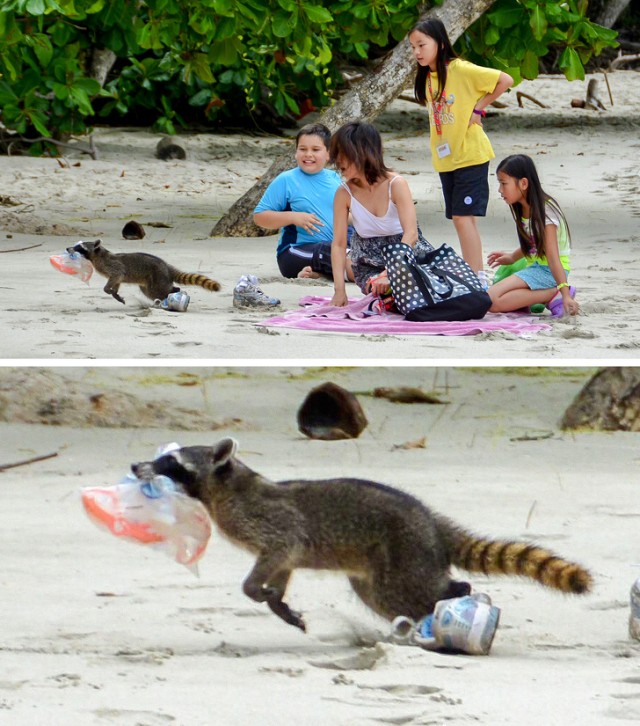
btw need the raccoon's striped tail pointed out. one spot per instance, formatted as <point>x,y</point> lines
<point>493,557</point>
<point>194,278</point>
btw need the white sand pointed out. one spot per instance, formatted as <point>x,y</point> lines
<point>99,631</point>
<point>587,159</point>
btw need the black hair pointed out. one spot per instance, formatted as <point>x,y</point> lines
<point>435,29</point>
<point>315,130</point>
<point>521,166</point>
<point>361,144</point>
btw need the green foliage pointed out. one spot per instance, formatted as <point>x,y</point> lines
<point>210,61</point>
<point>514,34</point>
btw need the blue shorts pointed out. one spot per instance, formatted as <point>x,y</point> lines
<point>466,191</point>
<point>538,277</point>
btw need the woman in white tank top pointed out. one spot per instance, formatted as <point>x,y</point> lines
<point>381,208</point>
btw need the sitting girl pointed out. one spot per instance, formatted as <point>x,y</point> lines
<point>381,206</point>
<point>544,243</point>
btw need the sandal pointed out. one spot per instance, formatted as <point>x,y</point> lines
<point>556,306</point>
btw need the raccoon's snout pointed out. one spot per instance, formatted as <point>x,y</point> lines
<point>143,470</point>
<point>77,248</point>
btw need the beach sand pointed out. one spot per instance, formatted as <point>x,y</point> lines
<point>587,159</point>
<point>100,631</point>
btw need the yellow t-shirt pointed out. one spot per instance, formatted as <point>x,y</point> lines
<point>466,84</point>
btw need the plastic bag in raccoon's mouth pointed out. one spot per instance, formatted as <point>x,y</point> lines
<point>152,513</point>
<point>73,263</point>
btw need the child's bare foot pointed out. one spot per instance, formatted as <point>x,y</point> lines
<point>308,273</point>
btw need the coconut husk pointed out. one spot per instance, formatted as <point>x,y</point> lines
<point>330,412</point>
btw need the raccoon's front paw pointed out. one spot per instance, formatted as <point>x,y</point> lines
<point>283,611</point>
<point>273,598</point>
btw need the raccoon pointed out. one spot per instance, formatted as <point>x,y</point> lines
<point>154,276</point>
<point>396,552</point>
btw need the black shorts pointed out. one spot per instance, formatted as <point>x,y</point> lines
<point>466,191</point>
<point>317,256</point>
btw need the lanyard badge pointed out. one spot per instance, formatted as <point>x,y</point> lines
<point>441,149</point>
<point>436,108</point>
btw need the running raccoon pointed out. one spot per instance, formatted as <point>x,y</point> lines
<point>396,552</point>
<point>154,276</point>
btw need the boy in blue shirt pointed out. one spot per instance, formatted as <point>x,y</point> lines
<point>300,202</point>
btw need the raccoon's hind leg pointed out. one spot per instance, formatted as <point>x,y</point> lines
<point>456,588</point>
<point>402,586</point>
<point>396,595</point>
<point>158,289</point>
<point>162,292</point>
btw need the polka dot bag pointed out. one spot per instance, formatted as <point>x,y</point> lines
<point>440,286</point>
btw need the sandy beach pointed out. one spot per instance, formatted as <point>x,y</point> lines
<point>587,159</point>
<point>102,631</point>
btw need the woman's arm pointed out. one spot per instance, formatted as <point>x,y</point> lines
<point>339,246</point>
<point>552,253</point>
<point>402,198</point>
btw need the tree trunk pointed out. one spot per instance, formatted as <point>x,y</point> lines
<point>609,402</point>
<point>364,101</point>
<point>102,61</point>
<point>611,11</point>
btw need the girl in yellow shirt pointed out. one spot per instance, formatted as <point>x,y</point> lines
<point>456,94</point>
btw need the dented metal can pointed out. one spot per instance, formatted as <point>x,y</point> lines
<point>175,301</point>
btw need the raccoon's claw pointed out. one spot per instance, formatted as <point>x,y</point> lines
<point>281,609</point>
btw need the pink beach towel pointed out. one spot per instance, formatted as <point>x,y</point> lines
<point>317,314</point>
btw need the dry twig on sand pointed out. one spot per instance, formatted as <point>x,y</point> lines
<point>25,462</point>
<point>21,249</point>
<point>521,94</point>
<point>620,59</point>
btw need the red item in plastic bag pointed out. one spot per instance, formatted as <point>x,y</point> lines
<point>73,263</point>
<point>151,513</point>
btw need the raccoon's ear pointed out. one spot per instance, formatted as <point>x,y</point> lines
<point>223,451</point>
<point>97,243</point>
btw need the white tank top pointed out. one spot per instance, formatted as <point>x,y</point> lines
<point>368,224</point>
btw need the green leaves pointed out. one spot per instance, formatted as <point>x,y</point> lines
<point>571,65</point>
<point>207,61</point>
<point>538,22</point>
<point>519,32</point>
<point>316,13</point>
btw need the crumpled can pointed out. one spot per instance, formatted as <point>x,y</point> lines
<point>176,301</point>
<point>461,624</point>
